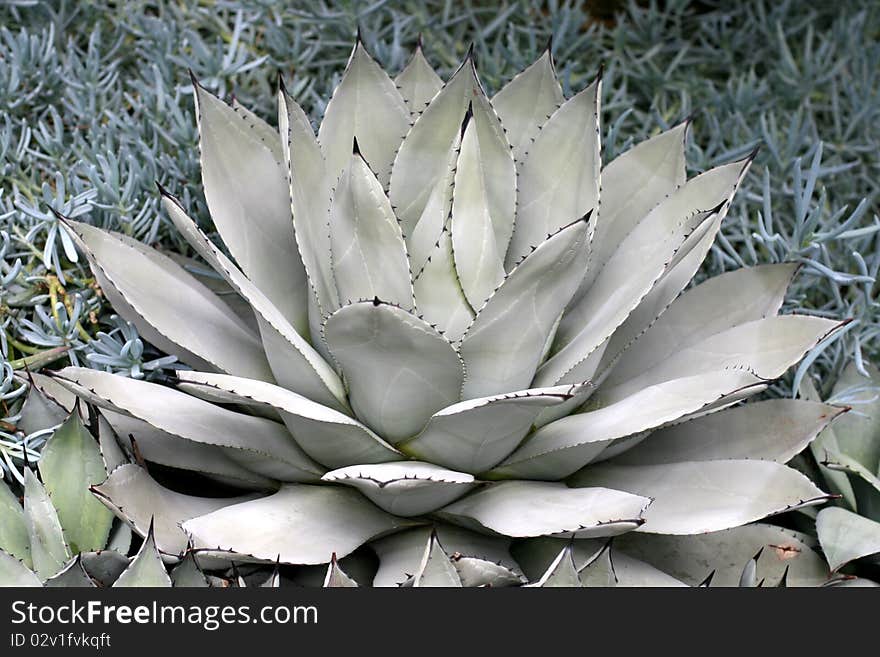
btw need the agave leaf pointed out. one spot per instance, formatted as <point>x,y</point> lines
<point>599,570</point>
<point>133,495</point>
<point>561,448</point>
<point>299,524</point>
<point>422,161</point>
<point>295,364</point>
<point>409,488</point>
<point>13,526</point>
<point>120,538</point>
<point>632,185</point>
<point>156,446</point>
<point>858,433</point>
<point>631,572</point>
<point>561,572</point>
<point>640,260</point>
<point>474,435</point>
<point>435,569</point>
<point>310,193</point>
<point>526,102</point>
<point>15,573</point>
<point>420,370</point>
<point>367,248</point>
<point>105,566</point>
<point>268,135</point>
<point>865,483</point>
<point>846,536</point>
<point>772,430</point>
<point>720,303</point>
<point>423,241</point>
<point>41,409</point>
<point>439,295</point>
<point>692,558</point>
<point>418,83</point>
<point>336,577</point>
<point>262,445</point>
<point>479,237</point>
<point>49,551</point>
<point>502,346</point>
<point>838,482</point>
<point>749,576</point>
<point>247,193</point>
<point>473,572</point>
<point>368,107</point>
<point>146,569</point>
<point>187,574</point>
<point>70,463</point>
<point>536,508</point>
<point>559,175</point>
<point>706,496</point>
<point>112,455</point>
<point>73,575</point>
<point>154,293</point>
<point>766,347</point>
<point>400,554</point>
<point>328,436</point>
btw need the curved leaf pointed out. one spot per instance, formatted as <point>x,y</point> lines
<point>142,503</point>
<point>13,526</point>
<point>328,436</point>
<point>368,107</point>
<point>706,496</point>
<point>49,551</point>
<point>367,249</point>
<point>146,569</point>
<point>405,489</point>
<point>435,569</point>
<point>15,573</point>
<point>169,306</point>
<point>420,370</point>
<point>439,296</point>
<point>503,345</point>
<point>559,175</point>
<point>526,102</point>
<point>261,445</point>
<point>474,435</point>
<point>247,193</point>
<point>418,83</point>
<point>846,536</point>
<point>297,525</point>
<point>535,508</point>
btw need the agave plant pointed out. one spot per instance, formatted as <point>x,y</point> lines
<point>459,335</point>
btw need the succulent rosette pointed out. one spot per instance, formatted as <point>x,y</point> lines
<point>440,331</point>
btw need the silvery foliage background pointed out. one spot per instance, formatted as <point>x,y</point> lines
<point>96,104</point>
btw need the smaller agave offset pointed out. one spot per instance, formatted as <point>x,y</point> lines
<point>447,334</point>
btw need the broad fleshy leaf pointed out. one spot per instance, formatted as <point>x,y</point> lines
<point>561,448</point>
<point>419,370</point>
<point>439,295</point>
<point>706,496</point>
<point>187,574</point>
<point>692,558</point>
<point>299,524</point>
<point>295,364</point>
<point>502,347</point>
<point>48,549</point>
<point>846,536</point>
<point>561,572</point>
<point>559,176</point>
<point>535,508</point>
<point>169,306</point>
<point>262,445</point>
<point>526,102</point>
<point>136,498</point>
<point>409,488</point>
<point>772,430</point>
<point>418,83</point>
<point>328,436</point>
<point>73,575</point>
<point>13,526</point>
<point>337,578</point>
<point>368,107</point>
<point>367,248</point>
<point>435,569</point>
<point>474,435</point>
<point>146,569</point>
<point>246,189</point>
<point>13,572</point>
<point>70,463</point>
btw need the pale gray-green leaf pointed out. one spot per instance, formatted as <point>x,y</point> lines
<point>15,573</point>
<point>420,370</point>
<point>49,551</point>
<point>439,295</point>
<point>146,569</point>
<point>846,536</point>
<point>13,527</point>
<point>435,569</point>
<point>706,496</point>
<point>408,488</point>
<point>418,83</point>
